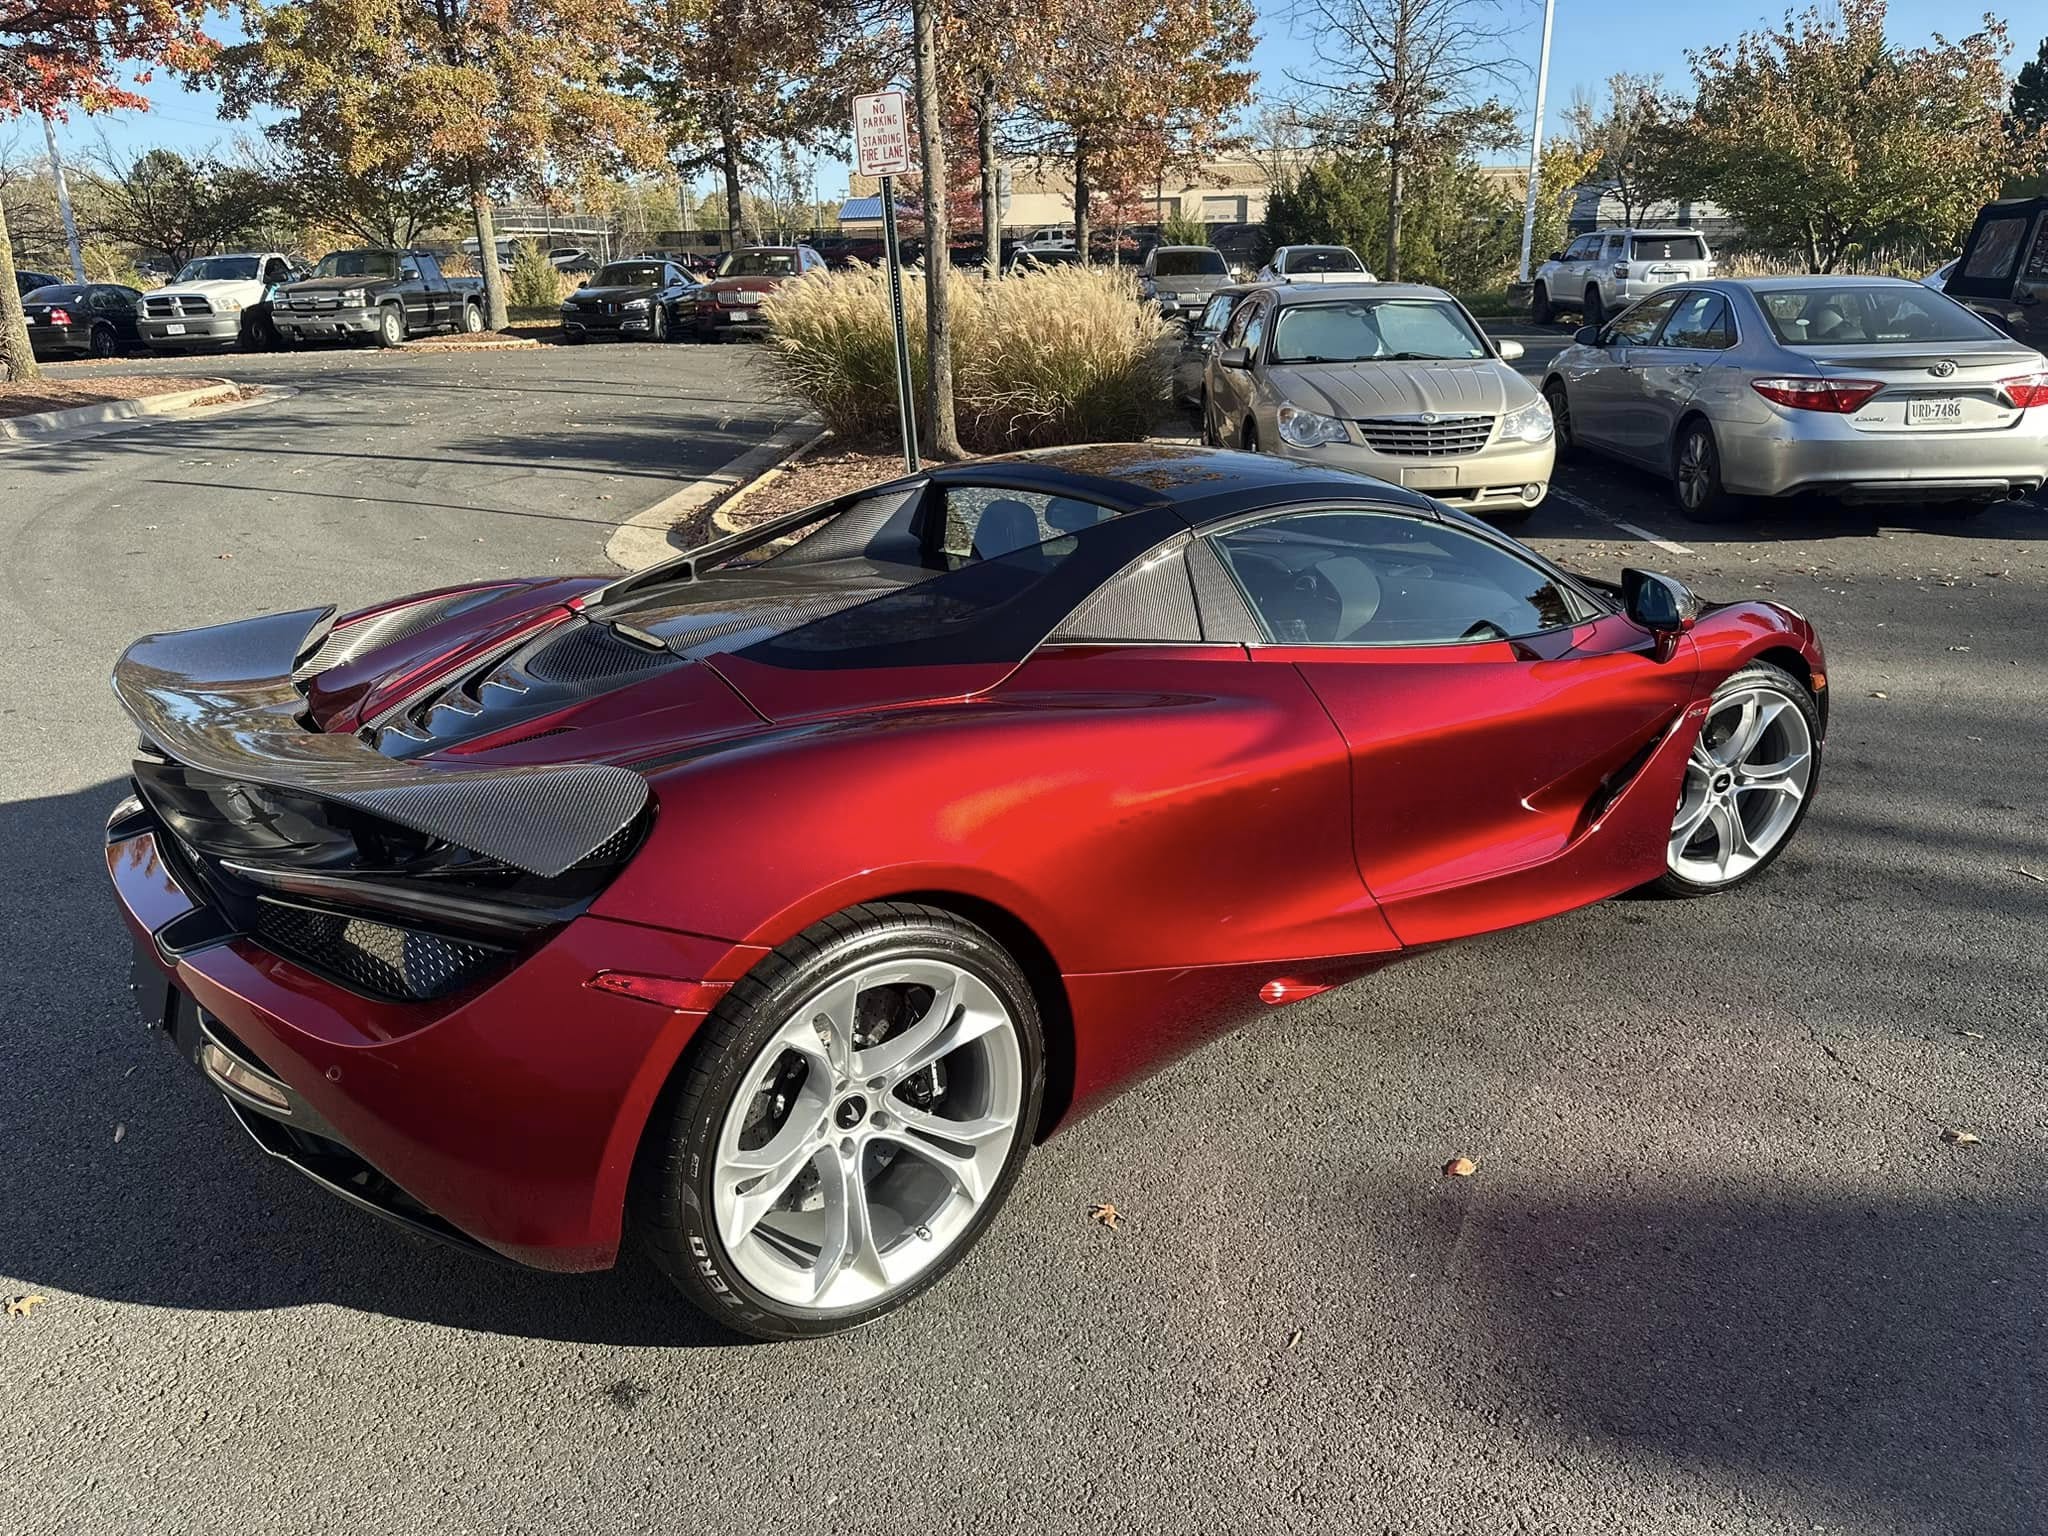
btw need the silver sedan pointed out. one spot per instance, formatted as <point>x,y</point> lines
<point>1863,388</point>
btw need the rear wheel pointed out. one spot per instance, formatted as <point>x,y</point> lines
<point>1696,475</point>
<point>104,342</point>
<point>849,1121</point>
<point>1748,783</point>
<point>1594,311</point>
<point>1539,306</point>
<point>472,318</point>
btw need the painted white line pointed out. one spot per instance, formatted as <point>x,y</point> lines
<point>1587,507</point>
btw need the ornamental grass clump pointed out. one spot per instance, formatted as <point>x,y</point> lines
<point>1065,356</point>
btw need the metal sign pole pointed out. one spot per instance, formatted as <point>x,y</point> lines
<point>904,403</point>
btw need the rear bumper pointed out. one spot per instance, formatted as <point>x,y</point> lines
<point>506,1116</point>
<point>1827,455</point>
<point>59,340</point>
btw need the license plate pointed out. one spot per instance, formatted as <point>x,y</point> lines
<point>740,314</point>
<point>174,330</point>
<point>1925,412</point>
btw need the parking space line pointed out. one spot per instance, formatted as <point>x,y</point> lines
<point>1587,507</point>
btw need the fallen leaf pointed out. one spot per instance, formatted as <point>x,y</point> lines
<point>1971,1034</point>
<point>223,557</point>
<point>1460,1167</point>
<point>1294,1338</point>
<point>1879,695</point>
<point>2029,874</point>
<point>120,1130</point>
<point>1958,1138</point>
<point>1105,1213</point>
<point>21,1306</point>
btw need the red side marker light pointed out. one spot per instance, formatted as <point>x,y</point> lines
<point>662,991</point>
<point>1283,990</point>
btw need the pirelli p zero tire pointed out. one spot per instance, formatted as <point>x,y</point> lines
<point>845,1124</point>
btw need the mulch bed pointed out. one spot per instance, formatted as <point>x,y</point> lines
<point>817,477</point>
<point>28,399</point>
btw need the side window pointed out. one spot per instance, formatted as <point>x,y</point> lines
<point>1255,329</point>
<point>1638,327</point>
<point>2036,269</point>
<point>1217,312</point>
<point>987,523</point>
<point>275,270</point>
<point>408,268</point>
<point>1234,335</point>
<point>1700,323</point>
<point>1377,578</point>
<point>1997,248</point>
<point>1611,249</point>
<point>1585,248</point>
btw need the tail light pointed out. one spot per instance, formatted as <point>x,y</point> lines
<point>60,316</point>
<point>2026,390</point>
<point>1838,397</point>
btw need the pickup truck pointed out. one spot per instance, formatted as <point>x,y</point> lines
<point>385,295</point>
<point>216,301</point>
<point>2003,272</point>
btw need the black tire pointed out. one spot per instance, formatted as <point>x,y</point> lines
<point>472,319</point>
<point>1210,437</point>
<point>390,325</point>
<point>1539,306</point>
<point>671,1208</point>
<point>104,342</point>
<point>1251,435</point>
<point>1560,416</point>
<point>1671,883</point>
<point>1593,311</point>
<point>1698,489</point>
<point>659,332</point>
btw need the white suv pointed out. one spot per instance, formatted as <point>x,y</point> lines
<point>1610,269</point>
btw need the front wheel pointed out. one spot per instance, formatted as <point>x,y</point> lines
<point>849,1121</point>
<point>660,325</point>
<point>1560,416</point>
<point>1748,784</point>
<point>1539,308</point>
<point>390,326</point>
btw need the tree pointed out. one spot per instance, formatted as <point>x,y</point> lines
<point>2028,108</point>
<point>1824,138</point>
<point>59,54</point>
<point>1414,80</point>
<point>1126,87</point>
<point>1623,139</point>
<point>730,80</point>
<point>179,208</point>
<point>988,50</point>
<point>1462,229</point>
<point>938,261</point>
<point>481,93</point>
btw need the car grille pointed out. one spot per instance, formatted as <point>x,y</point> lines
<point>176,306</point>
<point>739,300</point>
<point>1415,437</point>
<point>313,303</point>
<point>373,957</point>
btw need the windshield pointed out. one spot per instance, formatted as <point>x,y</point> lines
<point>357,264</point>
<point>1323,258</point>
<point>1667,248</point>
<point>1872,316</point>
<point>220,269</point>
<point>1369,330</point>
<point>758,264</point>
<point>628,274</point>
<point>1189,264</point>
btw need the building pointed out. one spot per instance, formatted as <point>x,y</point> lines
<point>1036,193</point>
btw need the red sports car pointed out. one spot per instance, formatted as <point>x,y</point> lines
<point>771,902</point>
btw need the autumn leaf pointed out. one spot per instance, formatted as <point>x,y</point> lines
<point>21,1306</point>
<point>1460,1167</point>
<point>1959,1138</point>
<point>120,1130</point>
<point>1105,1213</point>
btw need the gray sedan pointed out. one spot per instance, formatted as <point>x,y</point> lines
<point>1864,388</point>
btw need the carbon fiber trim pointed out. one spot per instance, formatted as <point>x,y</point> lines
<point>347,643</point>
<point>221,700</point>
<point>1225,614</point>
<point>1150,599</point>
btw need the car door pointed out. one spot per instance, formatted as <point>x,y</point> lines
<point>414,295</point>
<point>1230,389</point>
<point>1671,369</point>
<point>1605,390</point>
<point>1516,745</point>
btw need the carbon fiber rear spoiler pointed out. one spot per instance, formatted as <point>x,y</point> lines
<point>221,700</point>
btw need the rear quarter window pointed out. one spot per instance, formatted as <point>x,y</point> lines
<point>1996,250</point>
<point>1667,248</point>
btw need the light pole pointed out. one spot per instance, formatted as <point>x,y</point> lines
<point>64,200</point>
<point>1536,143</point>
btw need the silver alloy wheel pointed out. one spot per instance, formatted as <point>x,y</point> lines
<point>1695,468</point>
<point>869,1131</point>
<point>1744,784</point>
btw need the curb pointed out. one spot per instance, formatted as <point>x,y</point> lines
<point>647,537</point>
<point>721,515</point>
<point>42,424</point>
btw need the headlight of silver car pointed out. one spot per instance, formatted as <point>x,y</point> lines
<point>1531,424</point>
<point>1307,429</point>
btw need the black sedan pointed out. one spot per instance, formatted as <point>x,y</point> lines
<point>27,282</point>
<point>97,319</point>
<point>638,298</point>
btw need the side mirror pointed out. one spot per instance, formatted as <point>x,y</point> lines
<point>1557,255</point>
<point>1234,357</point>
<point>1587,336</point>
<point>1663,605</point>
<point>1510,351</point>
<point>582,282</point>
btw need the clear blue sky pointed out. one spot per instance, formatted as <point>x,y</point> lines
<point>1592,39</point>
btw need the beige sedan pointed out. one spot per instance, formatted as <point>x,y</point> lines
<point>1388,379</point>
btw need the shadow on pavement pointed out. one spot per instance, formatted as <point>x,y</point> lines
<point>1876,1352</point>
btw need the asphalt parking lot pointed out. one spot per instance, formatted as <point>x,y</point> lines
<point>1718,1272</point>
